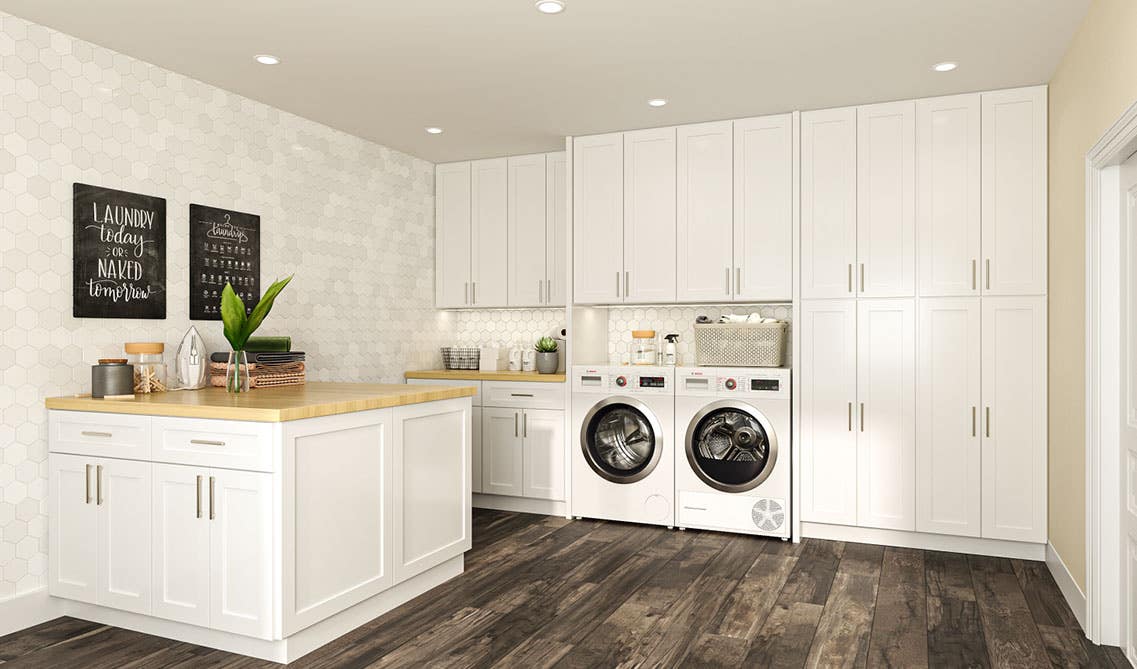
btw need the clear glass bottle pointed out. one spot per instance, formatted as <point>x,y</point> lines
<point>644,347</point>
<point>149,366</point>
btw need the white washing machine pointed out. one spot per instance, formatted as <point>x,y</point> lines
<point>623,467</point>
<point>732,464</point>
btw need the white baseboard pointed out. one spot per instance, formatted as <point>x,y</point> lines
<point>1020,550</point>
<point>545,507</point>
<point>1066,583</point>
<point>28,609</point>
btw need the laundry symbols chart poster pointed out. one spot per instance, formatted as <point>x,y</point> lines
<point>118,254</point>
<point>225,248</point>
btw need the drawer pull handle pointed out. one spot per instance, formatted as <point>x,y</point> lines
<point>521,394</point>
<point>98,485</point>
<point>92,433</point>
<point>206,442</point>
<point>695,508</point>
<point>199,495</point>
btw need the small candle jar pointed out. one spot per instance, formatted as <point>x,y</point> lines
<point>149,366</point>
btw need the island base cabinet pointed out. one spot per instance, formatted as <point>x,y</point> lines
<point>181,544</point>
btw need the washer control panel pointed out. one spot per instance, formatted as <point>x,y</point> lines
<point>636,380</point>
<point>772,383</point>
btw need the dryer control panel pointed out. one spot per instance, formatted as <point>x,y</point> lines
<point>638,380</point>
<point>770,383</point>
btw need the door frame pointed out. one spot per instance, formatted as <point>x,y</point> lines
<point>1103,356</point>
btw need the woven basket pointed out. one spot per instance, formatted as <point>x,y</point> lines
<point>457,357</point>
<point>740,344</point>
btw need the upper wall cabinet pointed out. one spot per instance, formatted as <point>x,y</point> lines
<point>556,221</point>
<point>452,235</point>
<point>886,200</point>
<point>763,208</point>
<point>489,286</point>
<point>948,199</point>
<point>1014,192</point>
<point>704,204</point>
<point>828,202</point>
<point>649,216</point>
<point>598,218</point>
<point>528,229</point>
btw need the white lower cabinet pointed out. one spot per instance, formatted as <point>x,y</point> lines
<point>181,543</point>
<point>523,453</point>
<point>476,449</point>
<point>501,451</point>
<point>74,532</point>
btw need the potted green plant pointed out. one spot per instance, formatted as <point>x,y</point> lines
<point>239,327</point>
<point>546,355</point>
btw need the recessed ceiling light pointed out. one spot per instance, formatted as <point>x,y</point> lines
<point>946,66</point>
<point>550,6</point>
<point>434,130</point>
<point>656,102</point>
<point>267,59</point>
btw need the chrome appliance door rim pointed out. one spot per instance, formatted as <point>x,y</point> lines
<point>652,420</point>
<point>754,413</point>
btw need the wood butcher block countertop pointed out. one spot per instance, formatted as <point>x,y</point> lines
<point>271,405</point>
<point>476,375</point>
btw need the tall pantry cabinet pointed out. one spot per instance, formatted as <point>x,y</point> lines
<point>940,378</point>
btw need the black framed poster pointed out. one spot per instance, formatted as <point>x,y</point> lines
<point>119,254</point>
<point>225,247</point>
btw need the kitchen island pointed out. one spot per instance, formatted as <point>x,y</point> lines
<point>265,523</point>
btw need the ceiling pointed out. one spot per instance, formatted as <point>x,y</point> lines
<point>502,78</point>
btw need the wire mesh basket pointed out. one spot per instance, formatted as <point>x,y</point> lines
<point>460,357</point>
<point>740,344</point>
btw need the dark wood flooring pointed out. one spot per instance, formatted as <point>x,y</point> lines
<point>546,592</point>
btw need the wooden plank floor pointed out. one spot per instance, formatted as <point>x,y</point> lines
<point>546,592</point>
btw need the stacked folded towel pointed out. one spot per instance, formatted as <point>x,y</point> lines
<point>269,365</point>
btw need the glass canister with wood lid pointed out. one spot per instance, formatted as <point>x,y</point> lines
<point>149,366</point>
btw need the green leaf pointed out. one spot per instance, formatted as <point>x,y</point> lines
<point>233,317</point>
<point>261,310</point>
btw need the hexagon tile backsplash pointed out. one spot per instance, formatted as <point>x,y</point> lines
<point>680,320</point>
<point>352,219</point>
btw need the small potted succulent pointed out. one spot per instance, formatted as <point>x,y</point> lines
<point>546,355</point>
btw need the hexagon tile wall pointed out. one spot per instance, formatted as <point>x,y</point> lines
<point>352,219</point>
<point>679,319</point>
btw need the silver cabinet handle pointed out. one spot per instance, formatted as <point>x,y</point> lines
<point>90,433</point>
<point>525,425</point>
<point>627,282</point>
<point>206,442</point>
<point>466,293</point>
<point>850,277</point>
<point>515,431</point>
<point>988,268</point>
<point>617,284</point>
<point>87,471</point>
<point>540,291</point>
<point>973,421</point>
<point>728,281</point>
<point>474,292</point>
<point>850,416</point>
<point>973,284</point>
<point>199,495</point>
<point>98,485</point>
<point>862,416</point>
<point>521,394</point>
<point>738,281</point>
<point>548,291</point>
<point>212,515</point>
<point>862,277</point>
<point>988,428</point>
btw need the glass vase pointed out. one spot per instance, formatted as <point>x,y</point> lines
<point>237,372</point>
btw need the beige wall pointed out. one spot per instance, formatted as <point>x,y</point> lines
<point>1095,82</point>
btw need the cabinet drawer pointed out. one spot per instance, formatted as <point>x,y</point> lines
<point>213,443</point>
<point>476,400</point>
<point>523,394</point>
<point>99,434</point>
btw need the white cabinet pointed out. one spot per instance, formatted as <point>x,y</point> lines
<point>476,449</point>
<point>489,232</point>
<point>1014,418</point>
<point>763,208</point>
<point>598,218</point>
<point>528,231</point>
<point>181,543</point>
<point>556,220</point>
<point>543,462</point>
<point>99,545</point>
<point>502,451</point>
<point>649,216</point>
<point>948,195</point>
<point>886,200</point>
<point>828,202</point>
<point>1014,191</point>
<point>828,390</point>
<point>452,238</point>
<point>704,208</point>
<point>948,449</point>
<point>886,407</point>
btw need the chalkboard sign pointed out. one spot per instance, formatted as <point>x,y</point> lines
<point>225,247</point>
<point>119,254</point>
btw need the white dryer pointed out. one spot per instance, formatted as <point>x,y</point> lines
<point>732,466</point>
<point>623,467</point>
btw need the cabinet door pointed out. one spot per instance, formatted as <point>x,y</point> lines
<point>543,456</point>
<point>705,210</point>
<point>527,230</point>
<point>886,199</point>
<point>502,459</point>
<point>947,196</point>
<point>649,215</point>
<point>763,208</point>
<point>489,267</point>
<point>948,454</point>
<point>886,420</point>
<point>123,499</point>
<point>556,226</point>
<point>476,449</point>
<point>180,544</point>
<point>1014,192</point>
<point>73,539</point>
<point>828,202</point>
<point>452,235</point>
<point>828,391</point>
<point>240,546</point>
<point>598,218</point>
<point>1014,418</point>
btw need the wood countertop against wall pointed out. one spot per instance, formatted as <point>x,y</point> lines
<point>476,375</point>
<point>272,405</point>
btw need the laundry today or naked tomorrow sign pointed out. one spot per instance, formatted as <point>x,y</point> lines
<point>119,254</point>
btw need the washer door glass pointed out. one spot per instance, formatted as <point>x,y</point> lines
<point>620,442</point>
<point>730,449</point>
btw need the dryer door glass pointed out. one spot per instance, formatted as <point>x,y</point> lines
<point>729,449</point>
<point>620,443</point>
